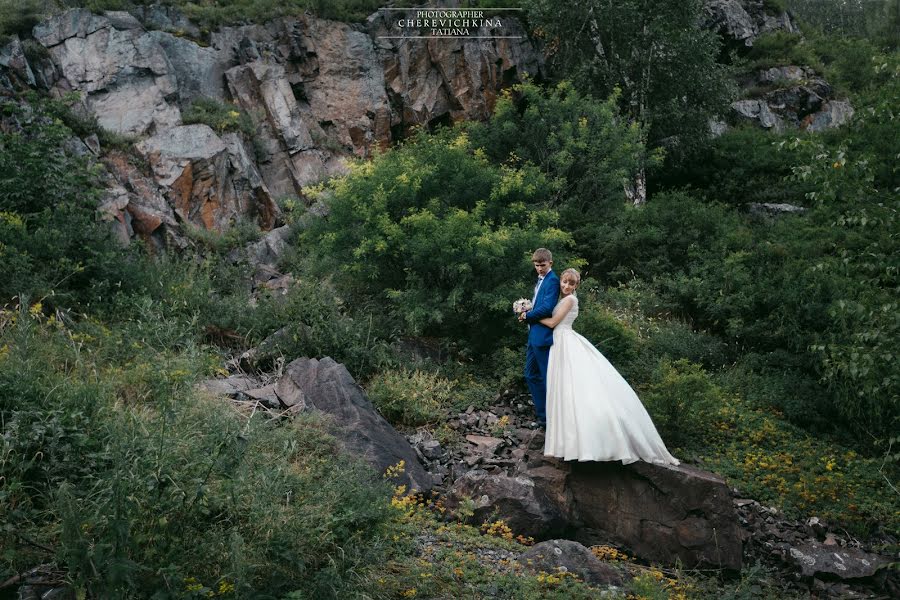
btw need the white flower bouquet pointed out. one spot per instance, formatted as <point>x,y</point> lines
<point>521,305</point>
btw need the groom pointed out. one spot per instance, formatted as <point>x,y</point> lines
<point>540,337</point>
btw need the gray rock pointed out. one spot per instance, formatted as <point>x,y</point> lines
<point>526,509</point>
<point>12,58</point>
<point>199,71</point>
<point>833,114</point>
<point>124,74</point>
<point>779,74</point>
<point>771,208</point>
<point>661,513</point>
<point>554,556</point>
<point>165,18</point>
<point>327,386</point>
<point>209,180</point>
<point>229,386</point>
<point>731,19</point>
<point>265,395</point>
<point>741,22</point>
<point>431,449</point>
<point>431,80</point>
<point>484,444</point>
<point>759,112</point>
<point>817,559</point>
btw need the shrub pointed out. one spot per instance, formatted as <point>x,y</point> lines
<point>583,145</point>
<point>682,399</point>
<point>658,239</point>
<point>439,237</point>
<point>167,493</point>
<point>53,247</point>
<point>17,17</point>
<point>411,398</point>
<point>219,116</point>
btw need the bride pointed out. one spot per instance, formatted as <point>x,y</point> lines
<point>592,412</point>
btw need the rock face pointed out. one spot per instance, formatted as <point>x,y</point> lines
<point>740,22</point>
<point>208,180</point>
<point>448,80</point>
<point>327,386</point>
<point>122,73</point>
<point>316,91</point>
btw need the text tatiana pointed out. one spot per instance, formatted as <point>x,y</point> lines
<point>449,22</point>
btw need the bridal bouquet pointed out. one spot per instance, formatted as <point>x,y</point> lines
<point>521,305</point>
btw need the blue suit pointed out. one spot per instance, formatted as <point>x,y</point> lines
<point>540,338</point>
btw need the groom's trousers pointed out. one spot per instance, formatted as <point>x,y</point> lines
<point>536,359</point>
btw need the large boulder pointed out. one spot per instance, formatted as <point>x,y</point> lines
<point>327,386</point>
<point>661,513</point>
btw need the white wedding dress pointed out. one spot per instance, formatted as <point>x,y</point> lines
<point>592,412</point>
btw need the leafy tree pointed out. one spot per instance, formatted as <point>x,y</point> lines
<point>654,51</point>
<point>583,145</point>
<point>440,236</point>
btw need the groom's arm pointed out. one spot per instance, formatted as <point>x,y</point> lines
<point>546,300</point>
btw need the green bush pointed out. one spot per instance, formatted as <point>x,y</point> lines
<point>439,237</point>
<point>142,488</point>
<point>682,399</point>
<point>219,116</point>
<point>583,145</point>
<point>53,248</point>
<point>17,17</point>
<point>411,398</point>
<point>742,165</point>
<point>782,48</point>
<point>658,239</point>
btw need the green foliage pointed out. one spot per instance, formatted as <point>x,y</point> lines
<point>219,116</point>
<point>742,165</point>
<point>656,53</point>
<point>778,48</point>
<point>439,236</point>
<point>411,398</point>
<point>682,400</point>
<point>166,493</point>
<point>51,245</point>
<point>583,145</point>
<point>17,17</point>
<point>661,238</point>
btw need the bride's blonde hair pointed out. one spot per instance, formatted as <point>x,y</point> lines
<point>573,274</point>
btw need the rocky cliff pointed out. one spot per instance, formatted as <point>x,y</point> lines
<point>316,92</point>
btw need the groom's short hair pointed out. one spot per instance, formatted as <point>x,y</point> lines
<point>542,255</point>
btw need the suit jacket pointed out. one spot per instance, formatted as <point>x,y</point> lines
<point>547,296</point>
